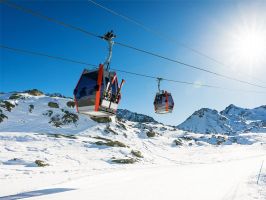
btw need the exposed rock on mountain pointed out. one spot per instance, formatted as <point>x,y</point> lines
<point>132,116</point>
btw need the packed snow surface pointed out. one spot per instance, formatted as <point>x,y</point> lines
<point>83,159</point>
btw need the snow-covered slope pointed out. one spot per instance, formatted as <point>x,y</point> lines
<point>231,120</point>
<point>41,114</point>
<point>81,157</point>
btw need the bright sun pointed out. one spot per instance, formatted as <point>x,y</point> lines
<point>249,45</point>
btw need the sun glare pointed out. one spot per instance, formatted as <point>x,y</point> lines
<point>248,45</point>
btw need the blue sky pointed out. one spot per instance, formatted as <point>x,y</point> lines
<point>208,26</point>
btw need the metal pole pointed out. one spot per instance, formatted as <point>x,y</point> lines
<point>108,59</point>
<point>109,36</point>
<point>159,84</point>
<point>260,172</point>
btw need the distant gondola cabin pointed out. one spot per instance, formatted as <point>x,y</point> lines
<point>163,102</point>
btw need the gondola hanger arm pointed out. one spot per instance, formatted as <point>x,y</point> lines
<point>159,83</point>
<point>109,36</point>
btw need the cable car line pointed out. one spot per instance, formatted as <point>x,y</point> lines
<point>36,14</point>
<point>188,65</point>
<point>39,15</point>
<point>23,51</point>
<point>46,55</point>
<point>189,83</point>
<point>164,36</point>
<point>158,33</point>
<point>169,80</point>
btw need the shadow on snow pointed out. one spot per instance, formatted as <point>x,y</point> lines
<point>35,193</point>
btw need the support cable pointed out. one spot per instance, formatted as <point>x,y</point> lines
<point>23,51</point>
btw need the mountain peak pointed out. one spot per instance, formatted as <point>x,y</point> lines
<point>203,111</point>
<point>233,110</point>
<point>261,107</point>
<point>205,120</point>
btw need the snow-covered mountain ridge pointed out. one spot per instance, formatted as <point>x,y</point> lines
<point>32,111</point>
<point>56,112</point>
<point>231,120</point>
